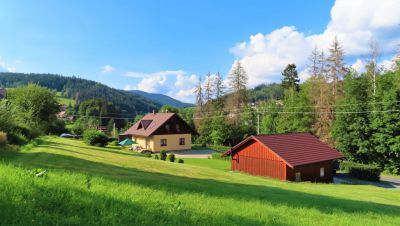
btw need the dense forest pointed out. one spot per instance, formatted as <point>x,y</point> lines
<point>359,114</point>
<point>81,89</point>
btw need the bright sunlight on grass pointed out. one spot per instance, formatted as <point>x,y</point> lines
<point>104,186</point>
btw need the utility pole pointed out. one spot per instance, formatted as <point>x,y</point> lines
<point>258,117</point>
<point>258,122</point>
<point>114,129</point>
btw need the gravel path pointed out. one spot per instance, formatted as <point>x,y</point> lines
<point>202,154</point>
<point>386,181</point>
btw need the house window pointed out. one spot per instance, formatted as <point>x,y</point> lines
<point>321,172</point>
<point>167,127</point>
<point>177,128</point>
<point>163,142</point>
<point>298,176</point>
<point>181,141</point>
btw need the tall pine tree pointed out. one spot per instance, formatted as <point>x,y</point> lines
<point>290,78</point>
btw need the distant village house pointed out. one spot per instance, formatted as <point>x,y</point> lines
<point>161,131</point>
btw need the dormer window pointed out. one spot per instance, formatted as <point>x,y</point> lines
<point>167,127</point>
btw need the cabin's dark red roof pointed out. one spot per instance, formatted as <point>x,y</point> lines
<point>294,148</point>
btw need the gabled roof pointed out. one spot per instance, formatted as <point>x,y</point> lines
<point>294,148</point>
<point>150,123</point>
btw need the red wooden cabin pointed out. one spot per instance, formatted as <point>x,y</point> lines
<point>293,156</point>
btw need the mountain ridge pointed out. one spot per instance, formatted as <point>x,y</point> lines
<point>162,99</point>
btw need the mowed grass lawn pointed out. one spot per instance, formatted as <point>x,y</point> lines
<point>106,186</point>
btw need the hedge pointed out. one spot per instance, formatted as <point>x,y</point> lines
<point>361,171</point>
<point>95,138</point>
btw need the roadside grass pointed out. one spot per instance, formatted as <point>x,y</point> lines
<point>210,163</point>
<point>108,186</point>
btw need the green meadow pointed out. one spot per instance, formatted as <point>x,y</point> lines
<point>85,185</point>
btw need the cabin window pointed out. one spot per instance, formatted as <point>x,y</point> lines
<point>298,176</point>
<point>177,128</point>
<point>181,141</point>
<point>322,172</point>
<point>163,142</point>
<point>167,127</point>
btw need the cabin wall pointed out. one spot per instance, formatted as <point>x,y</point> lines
<point>311,172</point>
<point>172,142</point>
<point>256,159</point>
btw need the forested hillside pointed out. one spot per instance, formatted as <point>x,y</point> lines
<point>81,89</point>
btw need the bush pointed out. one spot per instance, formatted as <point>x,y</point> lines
<point>171,157</point>
<point>57,127</point>
<point>163,155</point>
<point>114,143</point>
<point>17,138</point>
<point>95,138</point>
<point>148,155</point>
<point>181,161</point>
<point>156,157</point>
<point>361,171</point>
<point>3,139</point>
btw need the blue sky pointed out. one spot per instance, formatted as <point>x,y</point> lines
<point>164,46</point>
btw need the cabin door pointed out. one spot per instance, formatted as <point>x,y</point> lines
<point>298,176</point>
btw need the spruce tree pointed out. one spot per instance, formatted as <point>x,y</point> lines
<point>336,67</point>
<point>290,78</point>
<point>219,91</point>
<point>238,83</point>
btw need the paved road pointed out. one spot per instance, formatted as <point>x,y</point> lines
<point>203,154</point>
<point>395,181</point>
<point>386,181</point>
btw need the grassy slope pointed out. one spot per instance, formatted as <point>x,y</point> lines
<point>105,186</point>
<point>64,100</point>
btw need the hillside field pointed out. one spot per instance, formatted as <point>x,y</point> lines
<point>108,186</point>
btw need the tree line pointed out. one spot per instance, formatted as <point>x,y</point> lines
<point>359,114</point>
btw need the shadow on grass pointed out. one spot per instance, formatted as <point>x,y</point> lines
<point>178,185</point>
<point>115,150</point>
<point>71,206</point>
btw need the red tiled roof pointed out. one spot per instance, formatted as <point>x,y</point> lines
<point>150,123</point>
<point>294,148</point>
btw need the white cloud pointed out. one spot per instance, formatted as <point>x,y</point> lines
<point>107,69</point>
<point>354,22</point>
<point>153,84</point>
<point>175,83</point>
<point>359,65</point>
<point>128,87</point>
<point>6,67</point>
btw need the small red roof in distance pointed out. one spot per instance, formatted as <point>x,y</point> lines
<point>296,148</point>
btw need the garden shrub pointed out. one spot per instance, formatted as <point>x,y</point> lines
<point>156,157</point>
<point>17,138</point>
<point>181,161</point>
<point>171,157</point>
<point>148,155</point>
<point>95,138</point>
<point>163,155</point>
<point>361,171</point>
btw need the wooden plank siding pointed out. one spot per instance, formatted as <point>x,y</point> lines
<point>255,159</point>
